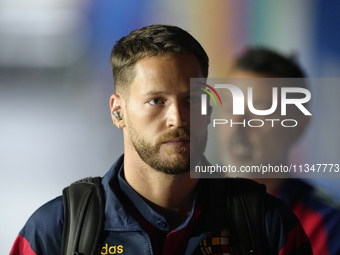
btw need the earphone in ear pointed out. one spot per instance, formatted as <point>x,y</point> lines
<point>117,115</point>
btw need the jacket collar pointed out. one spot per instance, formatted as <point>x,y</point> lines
<point>119,195</point>
<point>117,216</point>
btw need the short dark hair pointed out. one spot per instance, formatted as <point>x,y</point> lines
<point>154,40</point>
<point>267,61</point>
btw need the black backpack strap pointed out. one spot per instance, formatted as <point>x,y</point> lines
<point>83,217</point>
<point>246,216</point>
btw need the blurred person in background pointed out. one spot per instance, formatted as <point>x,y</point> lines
<point>250,146</point>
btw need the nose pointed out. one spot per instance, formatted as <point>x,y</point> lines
<point>178,115</point>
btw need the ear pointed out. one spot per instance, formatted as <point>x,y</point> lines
<point>117,107</point>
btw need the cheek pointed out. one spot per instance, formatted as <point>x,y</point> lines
<point>198,132</point>
<point>141,117</point>
<point>224,134</point>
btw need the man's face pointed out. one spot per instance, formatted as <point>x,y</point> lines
<point>158,112</point>
<point>247,146</point>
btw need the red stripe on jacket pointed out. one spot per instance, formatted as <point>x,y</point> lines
<point>21,247</point>
<point>296,237</point>
<point>313,224</point>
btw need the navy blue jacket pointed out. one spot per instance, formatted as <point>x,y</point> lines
<point>132,227</point>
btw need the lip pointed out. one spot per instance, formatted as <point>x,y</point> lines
<point>178,143</point>
<point>177,140</point>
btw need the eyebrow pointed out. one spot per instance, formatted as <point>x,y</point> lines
<point>160,92</point>
<point>155,93</point>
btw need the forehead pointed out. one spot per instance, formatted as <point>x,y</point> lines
<point>261,83</point>
<point>169,72</point>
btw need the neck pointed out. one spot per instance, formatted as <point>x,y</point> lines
<point>273,185</point>
<point>171,196</point>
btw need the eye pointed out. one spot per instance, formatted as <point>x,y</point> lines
<point>192,99</point>
<point>156,101</point>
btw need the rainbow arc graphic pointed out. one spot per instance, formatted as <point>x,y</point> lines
<point>209,93</point>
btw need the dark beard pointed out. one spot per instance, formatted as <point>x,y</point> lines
<point>177,163</point>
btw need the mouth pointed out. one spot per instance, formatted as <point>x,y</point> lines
<point>178,142</point>
<point>239,150</point>
<point>177,138</point>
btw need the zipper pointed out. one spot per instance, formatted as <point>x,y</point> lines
<point>134,230</point>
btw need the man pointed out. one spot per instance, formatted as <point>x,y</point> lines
<point>319,215</point>
<point>152,204</point>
